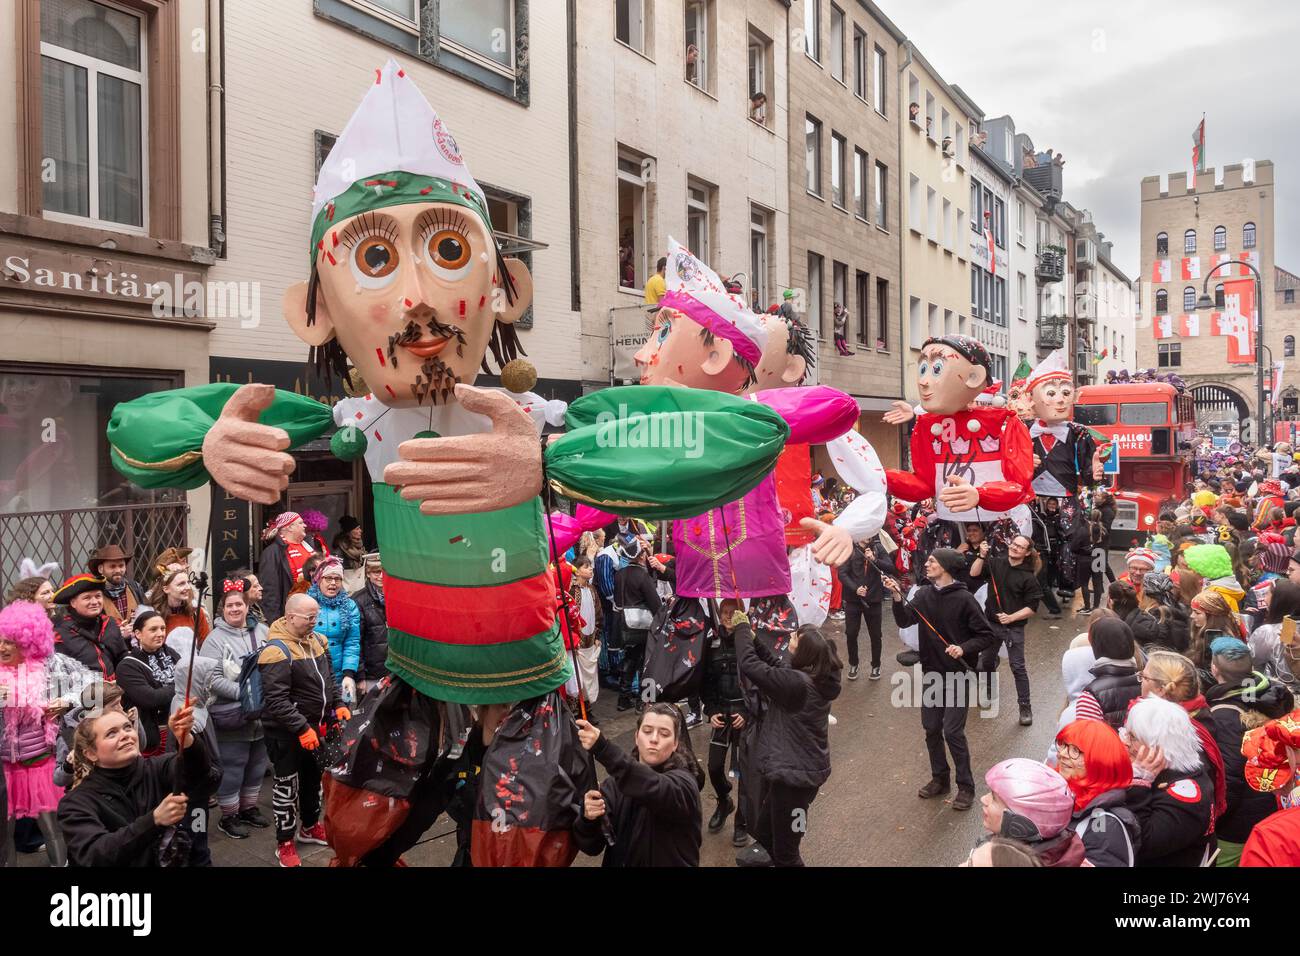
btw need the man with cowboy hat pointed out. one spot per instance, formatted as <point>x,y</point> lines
<point>81,628</point>
<point>123,595</point>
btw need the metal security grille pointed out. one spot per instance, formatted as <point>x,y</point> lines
<point>69,537</point>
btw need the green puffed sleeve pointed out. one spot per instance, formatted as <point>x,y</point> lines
<point>661,452</point>
<point>156,440</point>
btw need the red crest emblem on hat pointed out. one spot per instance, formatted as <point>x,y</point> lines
<point>445,142</point>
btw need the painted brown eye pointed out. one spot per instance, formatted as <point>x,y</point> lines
<point>448,249</point>
<point>375,257</point>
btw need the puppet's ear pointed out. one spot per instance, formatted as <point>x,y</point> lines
<point>796,366</point>
<point>977,378</point>
<point>719,355</point>
<point>523,281</point>
<point>295,313</point>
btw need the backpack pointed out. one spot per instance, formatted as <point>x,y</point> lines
<point>250,682</point>
<point>1128,824</point>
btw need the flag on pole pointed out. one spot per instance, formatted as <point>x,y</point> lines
<point>1276,388</point>
<point>1198,150</point>
<point>1237,322</point>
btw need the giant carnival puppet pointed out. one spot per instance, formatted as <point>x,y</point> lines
<point>789,355</point>
<point>705,339</point>
<point>1065,455</point>
<point>974,460</point>
<point>409,293</point>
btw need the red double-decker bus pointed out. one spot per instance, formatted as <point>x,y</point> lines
<point>1154,426</point>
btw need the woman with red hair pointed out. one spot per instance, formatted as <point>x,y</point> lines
<point>1096,765</point>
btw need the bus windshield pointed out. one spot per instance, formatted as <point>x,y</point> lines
<point>1144,413</point>
<point>1094,414</point>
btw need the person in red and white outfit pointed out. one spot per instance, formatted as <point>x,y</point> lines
<point>286,551</point>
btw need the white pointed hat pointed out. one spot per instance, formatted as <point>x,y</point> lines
<point>394,150</point>
<point>695,290</point>
<point>1055,366</point>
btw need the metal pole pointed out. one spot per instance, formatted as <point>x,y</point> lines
<point>1259,359</point>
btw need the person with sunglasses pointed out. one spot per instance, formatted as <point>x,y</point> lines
<point>300,700</point>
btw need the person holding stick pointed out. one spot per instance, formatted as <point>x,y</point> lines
<point>1012,599</point>
<point>953,632</point>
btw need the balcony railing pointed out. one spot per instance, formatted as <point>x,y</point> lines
<point>1051,266</point>
<point>1051,332</point>
<point>69,537</point>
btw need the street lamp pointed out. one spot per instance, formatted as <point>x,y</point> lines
<point>1206,304</point>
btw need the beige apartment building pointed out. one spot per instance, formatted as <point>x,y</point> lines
<point>844,205</point>
<point>497,73</point>
<point>935,197</point>
<point>106,198</point>
<point>670,141</point>
<point>1187,231</point>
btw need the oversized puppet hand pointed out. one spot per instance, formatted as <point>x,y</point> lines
<point>900,414</point>
<point>484,472</point>
<point>833,545</point>
<point>247,458</point>
<point>960,495</point>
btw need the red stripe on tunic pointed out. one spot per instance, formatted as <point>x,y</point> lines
<point>471,615</point>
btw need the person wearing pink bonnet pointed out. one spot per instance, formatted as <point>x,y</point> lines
<point>36,687</point>
<point>1030,801</point>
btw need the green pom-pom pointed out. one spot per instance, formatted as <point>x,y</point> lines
<point>348,443</point>
<point>427,434</point>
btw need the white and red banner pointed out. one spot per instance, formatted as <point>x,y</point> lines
<point>1276,388</point>
<point>1161,270</point>
<point>1163,326</point>
<point>1253,258</point>
<point>1191,267</point>
<point>1189,325</point>
<point>993,258</point>
<point>1238,320</point>
<point>1218,259</point>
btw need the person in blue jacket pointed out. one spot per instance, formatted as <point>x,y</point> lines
<point>340,622</point>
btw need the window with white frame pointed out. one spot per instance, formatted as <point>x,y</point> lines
<point>1000,223</point>
<point>932,214</point>
<point>482,31</point>
<point>862,301</point>
<point>760,78</point>
<point>813,317</point>
<point>760,231</point>
<point>1189,241</point>
<point>1020,221</point>
<point>633,220</point>
<point>1220,238</point>
<point>94,114</point>
<point>839,289</point>
<point>879,99</point>
<point>914,99</point>
<point>699,207</point>
<point>836,41</point>
<point>881,194</point>
<point>812,28</point>
<point>859,63</point>
<point>1189,299</point>
<point>976,220</point>
<point>974,290</point>
<point>1021,295</point>
<point>1248,235</point>
<point>935,321</point>
<point>860,183</point>
<point>949,322</point>
<point>838,146</point>
<point>699,44</point>
<point>630,22</point>
<point>914,332</point>
<point>812,131</point>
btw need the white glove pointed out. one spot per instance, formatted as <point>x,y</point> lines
<point>349,691</point>
<point>230,668</point>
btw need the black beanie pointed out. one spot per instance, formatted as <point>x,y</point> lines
<point>950,560</point>
<point>1237,520</point>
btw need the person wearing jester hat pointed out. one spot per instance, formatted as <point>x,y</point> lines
<point>408,293</point>
<point>1064,453</point>
<point>975,462</point>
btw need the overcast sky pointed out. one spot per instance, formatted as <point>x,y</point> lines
<point>1119,86</point>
